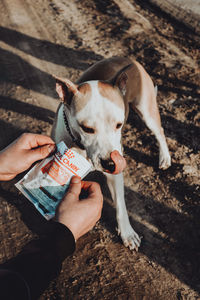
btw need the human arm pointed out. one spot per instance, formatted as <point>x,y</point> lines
<point>41,260</point>
<point>27,275</point>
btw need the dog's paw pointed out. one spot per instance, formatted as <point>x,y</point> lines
<point>130,238</point>
<point>164,161</point>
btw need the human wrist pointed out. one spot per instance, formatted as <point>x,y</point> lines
<point>63,238</point>
<point>66,223</point>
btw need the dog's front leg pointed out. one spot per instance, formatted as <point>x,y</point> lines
<point>129,237</point>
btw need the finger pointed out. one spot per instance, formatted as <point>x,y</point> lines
<point>94,199</point>
<point>41,152</point>
<point>93,189</point>
<point>119,160</point>
<point>74,188</point>
<point>32,140</point>
<point>41,140</point>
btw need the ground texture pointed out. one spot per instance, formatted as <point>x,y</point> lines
<point>42,37</point>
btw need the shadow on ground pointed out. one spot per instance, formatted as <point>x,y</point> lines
<point>177,248</point>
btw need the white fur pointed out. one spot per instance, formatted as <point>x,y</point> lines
<point>157,130</point>
<point>129,237</point>
<point>102,115</point>
<point>97,114</point>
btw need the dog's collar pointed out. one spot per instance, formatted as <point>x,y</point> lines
<point>76,141</point>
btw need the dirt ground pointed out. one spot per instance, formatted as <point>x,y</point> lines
<point>43,37</point>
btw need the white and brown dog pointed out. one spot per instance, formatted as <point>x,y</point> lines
<point>91,116</point>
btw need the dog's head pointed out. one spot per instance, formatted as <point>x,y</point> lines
<point>95,112</point>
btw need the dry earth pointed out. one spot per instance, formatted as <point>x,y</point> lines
<point>42,37</point>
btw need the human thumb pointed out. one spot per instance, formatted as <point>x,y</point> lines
<point>43,151</point>
<point>74,188</point>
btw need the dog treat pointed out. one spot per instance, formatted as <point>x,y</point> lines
<point>47,182</point>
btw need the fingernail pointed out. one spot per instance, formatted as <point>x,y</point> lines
<point>76,179</point>
<point>51,148</point>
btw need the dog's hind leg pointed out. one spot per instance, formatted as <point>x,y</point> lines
<point>148,111</point>
<point>129,237</point>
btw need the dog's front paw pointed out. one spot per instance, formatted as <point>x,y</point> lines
<point>164,161</point>
<point>130,238</point>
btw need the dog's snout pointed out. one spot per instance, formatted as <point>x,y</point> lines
<point>108,165</point>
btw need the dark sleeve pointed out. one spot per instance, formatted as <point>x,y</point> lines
<point>28,274</point>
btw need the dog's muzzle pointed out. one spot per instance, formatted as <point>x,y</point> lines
<point>108,165</point>
<point>115,164</point>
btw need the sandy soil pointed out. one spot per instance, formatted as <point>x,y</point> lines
<point>42,37</point>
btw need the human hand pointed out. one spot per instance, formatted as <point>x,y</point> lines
<point>22,153</point>
<point>80,215</point>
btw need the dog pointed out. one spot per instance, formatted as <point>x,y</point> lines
<point>90,118</point>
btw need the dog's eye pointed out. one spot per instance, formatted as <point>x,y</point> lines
<point>87,129</point>
<point>119,125</point>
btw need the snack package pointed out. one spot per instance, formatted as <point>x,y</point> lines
<point>47,182</point>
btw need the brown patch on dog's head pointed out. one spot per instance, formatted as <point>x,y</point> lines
<point>83,97</point>
<point>111,93</point>
<point>85,89</point>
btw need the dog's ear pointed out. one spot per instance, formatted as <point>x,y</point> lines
<point>120,79</point>
<point>66,89</point>
<point>121,82</point>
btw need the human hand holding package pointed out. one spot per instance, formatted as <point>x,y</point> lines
<point>47,182</point>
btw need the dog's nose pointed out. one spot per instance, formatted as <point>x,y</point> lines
<point>108,165</point>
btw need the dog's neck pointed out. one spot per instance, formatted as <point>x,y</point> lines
<point>74,139</point>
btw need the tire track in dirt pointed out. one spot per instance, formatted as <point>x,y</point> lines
<point>81,22</point>
<point>34,68</point>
